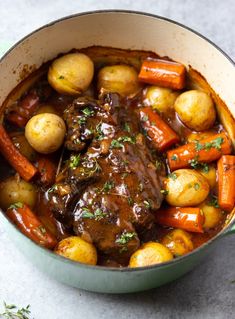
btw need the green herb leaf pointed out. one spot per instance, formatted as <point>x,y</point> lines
<point>88,112</point>
<point>97,215</point>
<point>218,142</point>
<point>13,312</point>
<point>108,186</point>
<point>16,205</point>
<point>198,146</point>
<point>196,186</point>
<point>42,229</point>
<point>127,127</point>
<point>174,157</point>
<point>52,188</point>
<point>147,203</point>
<point>172,176</point>
<point>164,191</point>
<point>125,238</point>
<point>214,201</point>
<point>158,165</point>
<point>116,144</point>
<point>74,161</point>
<point>82,120</point>
<point>129,139</point>
<point>145,118</point>
<point>130,201</point>
<point>100,133</point>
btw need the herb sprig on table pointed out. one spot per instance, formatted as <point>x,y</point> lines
<point>13,312</point>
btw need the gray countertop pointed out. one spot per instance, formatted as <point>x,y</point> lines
<point>208,291</point>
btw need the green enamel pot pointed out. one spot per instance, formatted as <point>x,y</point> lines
<point>127,30</point>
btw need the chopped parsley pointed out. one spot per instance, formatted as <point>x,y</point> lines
<point>42,229</point>
<point>13,312</point>
<point>74,161</point>
<point>88,112</point>
<point>158,165</point>
<point>97,215</point>
<point>214,202</point>
<point>126,127</point>
<point>164,191</point>
<point>130,201</point>
<point>16,205</point>
<point>82,120</point>
<point>174,157</point>
<point>125,238</point>
<point>52,188</point>
<point>129,139</point>
<point>198,146</point>
<point>147,204</point>
<point>100,133</point>
<point>108,186</point>
<point>116,144</point>
<point>216,143</point>
<point>172,176</point>
<point>196,186</point>
<point>197,165</point>
<point>145,118</point>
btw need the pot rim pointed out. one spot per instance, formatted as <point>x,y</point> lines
<point>123,269</point>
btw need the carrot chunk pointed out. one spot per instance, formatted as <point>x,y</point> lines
<point>226,182</point>
<point>47,170</point>
<point>188,218</point>
<point>164,73</point>
<point>22,216</point>
<point>160,133</point>
<point>14,157</point>
<point>204,151</point>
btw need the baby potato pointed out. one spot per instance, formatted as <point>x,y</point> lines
<point>71,74</point>
<point>13,190</point>
<point>161,99</point>
<point>209,174</point>
<point>45,132</point>
<point>186,187</point>
<point>122,79</point>
<point>193,137</point>
<point>178,241</point>
<point>213,215</point>
<point>46,108</point>
<point>24,147</point>
<point>149,254</point>
<point>77,249</point>
<point>196,110</point>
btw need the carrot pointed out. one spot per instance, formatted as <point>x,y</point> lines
<point>204,151</point>
<point>14,157</point>
<point>164,73</point>
<point>47,170</point>
<point>22,216</point>
<point>188,218</point>
<point>24,110</point>
<point>159,132</point>
<point>226,182</point>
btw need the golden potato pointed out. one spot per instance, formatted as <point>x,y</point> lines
<point>122,79</point>
<point>77,249</point>
<point>196,110</point>
<point>149,254</point>
<point>71,74</point>
<point>193,137</point>
<point>209,172</point>
<point>24,147</point>
<point>161,99</point>
<point>46,108</point>
<point>45,132</point>
<point>186,187</point>
<point>178,241</point>
<point>213,215</point>
<point>13,190</point>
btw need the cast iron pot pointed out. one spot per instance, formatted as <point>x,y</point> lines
<point>127,30</point>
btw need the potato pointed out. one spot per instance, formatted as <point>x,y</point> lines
<point>46,108</point>
<point>193,137</point>
<point>186,187</point>
<point>196,110</point>
<point>149,254</point>
<point>213,215</point>
<point>71,74</point>
<point>77,249</point>
<point>45,132</point>
<point>209,174</point>
<point>178,241</point>
<point>161,99</point>
<point>24,147</point>
<point>13,190</point>
<point>122,79</point>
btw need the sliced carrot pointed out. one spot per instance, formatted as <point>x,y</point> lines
<point>226,182</point>
<point>188,218</point>
<point>47,170</point>
<point>204,151</point>
<point>160,133</point>
<point>20,163</point>
<point>164,73</point>
<point>22,216</point>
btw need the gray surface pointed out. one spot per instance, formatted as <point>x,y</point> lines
<point>207,292</point>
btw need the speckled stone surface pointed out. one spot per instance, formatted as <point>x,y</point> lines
<point>208,291</point>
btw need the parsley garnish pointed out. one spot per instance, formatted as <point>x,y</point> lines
<point>145,118</point>
<point>127,127</point>
<point>214,202</point>
<point>52,188</point>
<point>158,165</point>
<point>164,191</point>
<point>16,205</point>
<point>172,176</point>
<point>196,186</point>
<point>116,144</point>
<point>74,161</point>
<point>88,112</point>
<point>129,139</point>
<point>125,238</point>
<point>198,146</point>
<point>100,133</point>
<point>130,201</point>
<point>108,186</point>
<point>174,157</point>
<point>216,143</point>
<point>13,312</point>
<point>82,120</point>
<point>97,215</point>
<point>147,203</point>
<point>42,229</point>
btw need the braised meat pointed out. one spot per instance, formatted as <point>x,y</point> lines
<point>109,187</point>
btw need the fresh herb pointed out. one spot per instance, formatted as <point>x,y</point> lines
<point>52,188</point>
<point>130,201</point>
<point>61,77</point>
<point>42,229</point>
<point>126,127</point>
<point>194,162</point>
<point>97,215</point>
<point>205,167</point>
<point>100,133</point>
<point>86,213</point>
<point>158,165</point>
<point>164,191</point>
<point>124,175</point>
<point>174,157</point>
<point>198,146</point>
<point>145,118</point>
<point>214,202</point>
<point>125,238</point>
<point>82,120</point>
<point>88,112</point>
<point>197,165</point>
<point>129,139</point>
<point>172,176</point>
<point>208,146</point>
<point>13,312</point>
<point>108,186</point>
<point>218,142</point>
<point>74,161</point>
<point>116,144</point>
<point>196,186</point>
<point>147,203</point>
<point>16,205</point>
<point>153,123</point>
